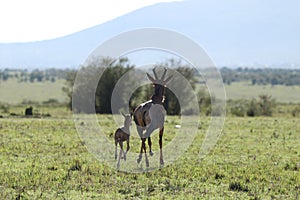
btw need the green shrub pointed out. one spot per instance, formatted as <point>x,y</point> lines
<point>264,106</point>
<point>51,101</point>
<point>296,111</point>
<point>4,108</point>
<point>253,109</point>
<point>238,107</point>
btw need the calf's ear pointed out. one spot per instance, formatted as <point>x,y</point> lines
<point>122,114</point>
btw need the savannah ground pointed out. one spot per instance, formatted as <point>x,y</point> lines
<point>42,157</point>
<point>255,158</point>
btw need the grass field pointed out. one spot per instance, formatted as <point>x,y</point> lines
<point>39,92</point>
<point>13,92</point>
<point>281,93</point>
<point>255,158</point>
<point>44,158</point>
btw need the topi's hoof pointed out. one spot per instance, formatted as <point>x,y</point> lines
<point>138,160</point>
<point>162,163</point>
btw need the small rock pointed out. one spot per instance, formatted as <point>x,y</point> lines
<point>177,126</point>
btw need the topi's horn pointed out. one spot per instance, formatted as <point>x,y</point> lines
<point>154,72</point>
<point>164,74</point>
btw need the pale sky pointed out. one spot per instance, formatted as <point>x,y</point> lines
<point>35,20</point>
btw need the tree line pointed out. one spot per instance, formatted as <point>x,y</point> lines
<point>261,76</point>
<point>112,73</point>
<point>255,76</point>
<point>36,75</point>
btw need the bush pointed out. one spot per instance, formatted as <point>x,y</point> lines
<point>4,108</point>
<point>51,101</point>
<point>253,109</point>
<point>296,111</point>
<point>238,107</point>
<point>266,104</point>
<point>262,107</point>
<point>204,101</point>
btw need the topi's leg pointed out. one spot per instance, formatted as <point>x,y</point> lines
<point>161,133</point>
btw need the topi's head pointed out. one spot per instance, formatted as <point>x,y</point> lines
<point>159,84</point>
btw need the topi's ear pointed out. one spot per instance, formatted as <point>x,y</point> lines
<point>150,78</point>
<point>168,79</point>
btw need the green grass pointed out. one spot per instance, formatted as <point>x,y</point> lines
<point>14,92</point>
<point>281,93</point>
<point>255,158</point>
<point>39,92</point>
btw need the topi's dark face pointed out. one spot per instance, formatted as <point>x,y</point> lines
<point>159,89</point>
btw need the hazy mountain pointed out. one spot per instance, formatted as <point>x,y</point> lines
<point>231,31</point>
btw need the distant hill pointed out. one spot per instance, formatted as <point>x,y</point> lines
<point>250,32</point>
